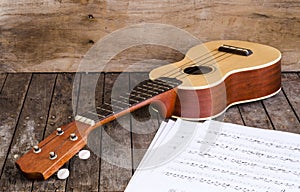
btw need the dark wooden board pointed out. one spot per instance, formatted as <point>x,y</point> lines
<point>84,174</point>
<point>60,113</point>
<point>254,115</point>
<point>144,122</point>
<point>116,157</point>
<point>291,88</point>
<point>232,115</point>
<point>281,113</point>
<point>29,130</point>
<point>44,101</point>
<point>2,80</point>
<point>11,102</point>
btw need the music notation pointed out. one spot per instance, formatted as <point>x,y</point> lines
<point>215,156</point>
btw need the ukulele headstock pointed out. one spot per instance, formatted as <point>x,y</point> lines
<point>48,156</point>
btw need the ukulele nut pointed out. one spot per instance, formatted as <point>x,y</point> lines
<point>73,137</point>
<point>36,149</point>
<point>59,131</point>
<point>52,155</point>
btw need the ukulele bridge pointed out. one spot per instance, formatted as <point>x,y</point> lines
<point>235,50</point>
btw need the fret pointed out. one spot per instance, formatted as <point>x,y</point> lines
<point>103,109</point>
<point>132,103</point>
<point>121,102</point>
<point>95,114</point>
<point>141,92</point>
<point>168,82</point>
<point>164,86</point>
<point>153,84</point>
<point>116,106</point>
<point>149,89</point>
<point>157,85</point>
<point>144,98</point>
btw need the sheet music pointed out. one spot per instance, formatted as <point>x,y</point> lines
<point>214,156</point>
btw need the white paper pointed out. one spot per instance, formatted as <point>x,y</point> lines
<point>215,156</point>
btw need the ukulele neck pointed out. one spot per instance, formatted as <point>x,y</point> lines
<point>160,91</point>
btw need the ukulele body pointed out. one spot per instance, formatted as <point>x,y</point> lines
<point>224,78</point>
<point>210,81</point>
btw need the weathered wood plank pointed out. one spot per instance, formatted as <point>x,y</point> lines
<point>232,115</point>
<point>29,130</point>
<point>254,115</point>
<point>291,88</point>
<point>60,113</point>
<point>116,159</point>
<point>54,35</point>
<point>2,80</point>
<point>281,114</point>
<point>84,175</point>
<point>144,124</point>
<point>11,102</point>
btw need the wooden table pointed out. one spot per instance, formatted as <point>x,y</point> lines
<point>32,105</point>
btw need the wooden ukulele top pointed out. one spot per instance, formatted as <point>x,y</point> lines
<point>222,64</point>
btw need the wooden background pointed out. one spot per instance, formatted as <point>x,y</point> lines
<point>54,35</point>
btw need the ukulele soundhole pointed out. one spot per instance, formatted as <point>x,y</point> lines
<point>198,70</point>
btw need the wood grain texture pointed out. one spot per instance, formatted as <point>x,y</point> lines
<point>291,88</point>
<point>281,113</point>
<point>2,81</point>
<point>54,35</point>
<point>29,130</point>
<point>12,97</point>
<point>144,123</point>
<point>60,113</point>
<point>84,175</point>
<point>258,114</point>
<point>255,115</point>
<point>116,157</point>
<point>232,115</point>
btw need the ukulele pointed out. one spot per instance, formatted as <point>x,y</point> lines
<point>212,77</point>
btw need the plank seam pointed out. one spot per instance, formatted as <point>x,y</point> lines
<point>268,115</point>
<point>131,129</point>
<point>101,129</point>
<point>292,107</point>
<point>47,117</point>
<point>3,83</point>
<point>17,123</point>
<point>243,120</point>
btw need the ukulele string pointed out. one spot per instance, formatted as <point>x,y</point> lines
<point>191,62</point>
<point>177,77</point>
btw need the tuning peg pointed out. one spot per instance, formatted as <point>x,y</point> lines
<point>59,131</point>
<point>63,173</point>
<point>36,149</point>
<point>73,137</point>
<point>52,155</point>
<point>84,154</point>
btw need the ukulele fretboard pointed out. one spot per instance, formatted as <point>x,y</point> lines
<point>142,92</point>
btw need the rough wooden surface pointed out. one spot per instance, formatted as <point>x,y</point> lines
<point>54,35</point>
<point>12,98</point>
<point>33,105</point>
<point>116,162</point>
